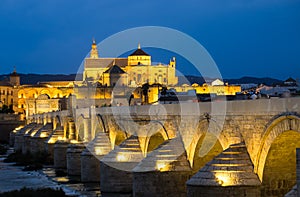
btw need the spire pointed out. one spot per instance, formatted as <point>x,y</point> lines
<point>94,51</point>
<point>139,46</point>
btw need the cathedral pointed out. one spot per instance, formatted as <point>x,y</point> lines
<point>133,71</point>
<point>105,81</point>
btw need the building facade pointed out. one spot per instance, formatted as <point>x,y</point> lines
<point>105,81</point>
<point>134,70</point>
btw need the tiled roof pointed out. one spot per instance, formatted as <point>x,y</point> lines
<point>104,62</point>
<point>115,70</point>
<point>5,83</point>
<point>139,52</point>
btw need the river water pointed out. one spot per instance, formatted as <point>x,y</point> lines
<point>13,178</point>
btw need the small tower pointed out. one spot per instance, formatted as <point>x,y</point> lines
<point>172,62</point>
<point>139,57</point>
<point>94,51</point>
<point>14,78</point>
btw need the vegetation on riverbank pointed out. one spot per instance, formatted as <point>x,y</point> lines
<point>26,192</point>
<point>3,149</point>
<point>31,161</point>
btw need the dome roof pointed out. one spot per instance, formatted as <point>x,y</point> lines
<point>139,52</point>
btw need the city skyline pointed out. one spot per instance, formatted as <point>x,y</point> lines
<point>257,38</point>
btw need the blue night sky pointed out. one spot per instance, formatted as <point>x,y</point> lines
<point>245,38</point>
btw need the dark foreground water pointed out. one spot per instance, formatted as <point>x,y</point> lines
<point>13,178</point>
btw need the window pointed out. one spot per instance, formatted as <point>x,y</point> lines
<point>139,77</point>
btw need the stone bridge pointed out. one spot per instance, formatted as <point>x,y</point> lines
<point>233,148</point>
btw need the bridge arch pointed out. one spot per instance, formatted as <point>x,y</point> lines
<point>101,124</point>
<point>117,132</point>
<point>276,159</point>
<point>207,142</point>
<point>155,135</point>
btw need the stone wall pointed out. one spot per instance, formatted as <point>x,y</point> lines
<point>204,191</point>
<point>160,184</point>
<point>8,122</point>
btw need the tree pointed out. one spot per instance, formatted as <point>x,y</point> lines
<point>145,89</point>
<point>7,109</point>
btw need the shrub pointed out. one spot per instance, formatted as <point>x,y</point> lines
<point>31,161</point>
<point>26,192</point>
<point>3,149</point>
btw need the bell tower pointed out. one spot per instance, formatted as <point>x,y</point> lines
<point>14,78</point>
<point>94,51</point>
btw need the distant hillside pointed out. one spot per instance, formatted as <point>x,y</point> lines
<point>265,80</point>
<point>35,78</point>
<point>243,80</point>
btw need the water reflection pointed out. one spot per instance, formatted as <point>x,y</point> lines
<point>72,183</point>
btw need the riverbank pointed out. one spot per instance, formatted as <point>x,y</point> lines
<point>14,178</point>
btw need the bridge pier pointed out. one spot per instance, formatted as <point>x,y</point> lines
<point>91,156</point>
<point>27,138</point>
<point>60,155</point>
<point>13,134</point>
<point>72,130</point>
<point>298,170</point>
<point>57,134</point>
<point>19,136</point>
<point>73,159</point>
<point>229,174</point>
<point>116,167</point>
<point>87,129</point>
<point>163,172</point>
<point>37,141</point>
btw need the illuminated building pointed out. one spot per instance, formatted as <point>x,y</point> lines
<point>134,70</point>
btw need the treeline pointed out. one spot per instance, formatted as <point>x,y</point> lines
<point>7,109</point>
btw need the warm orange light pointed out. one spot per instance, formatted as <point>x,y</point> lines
<point>121,157</point>
<point>43,135</point>
<point>98,151</point>
<point>74,142</point>
<point>162,166</point>
<point>33,133</point>
<point>17,129</point>
<point>223,178</point>
<point>52,141</point>
<point>60,138</point>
